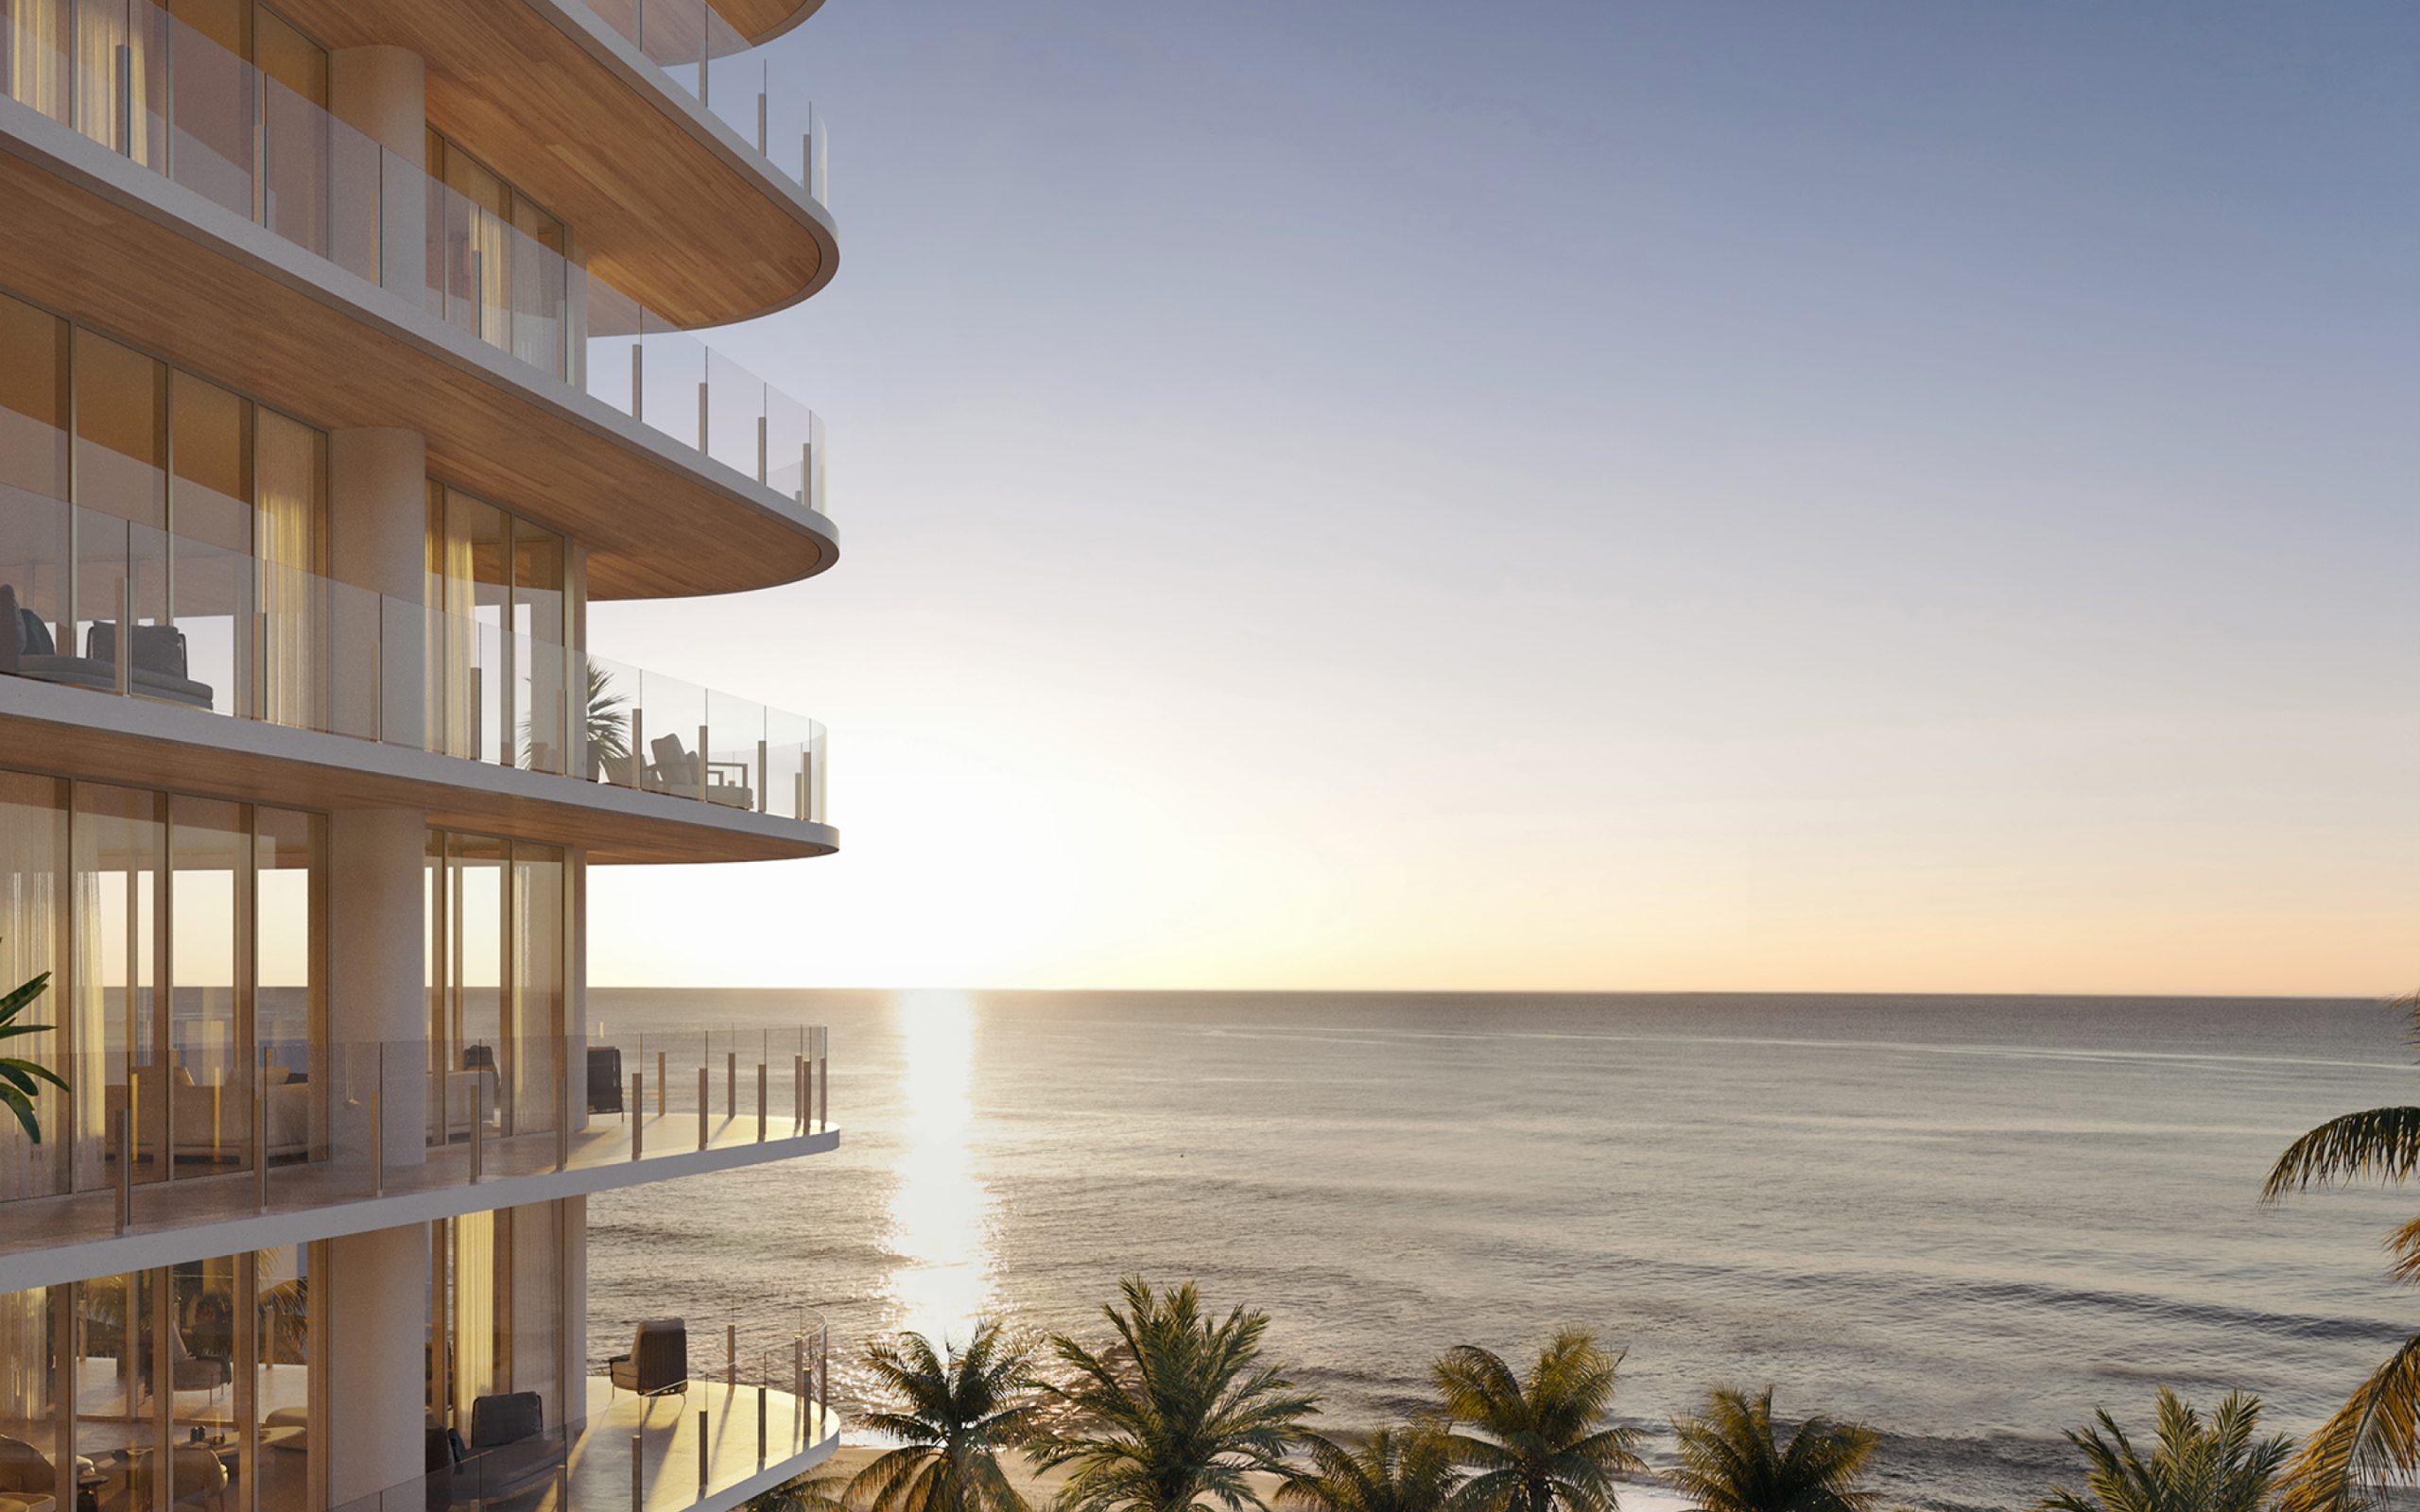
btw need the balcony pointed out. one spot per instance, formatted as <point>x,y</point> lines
<point>219,632</point>
<point>160,95</point>
<point>695,49</point>
<point>329,1139</point>
<point>754,1413</point>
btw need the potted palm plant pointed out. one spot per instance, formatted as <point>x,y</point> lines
<point>20,1080</point>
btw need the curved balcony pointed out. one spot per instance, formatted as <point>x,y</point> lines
<point>752,1412</point>
<point>290,1140</point>
<point>696,48</point>
<point>221,632</point>
<point>168,99</point>
<point>663,147</point>
<point>726,27</point>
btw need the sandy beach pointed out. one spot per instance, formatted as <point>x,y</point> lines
<point>1039,1487</point>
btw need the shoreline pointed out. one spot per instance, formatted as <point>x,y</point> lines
<point>1039,1487</point>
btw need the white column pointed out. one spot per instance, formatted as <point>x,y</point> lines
<point>574,1308</point>
<point>378,543</point>
<point>383,93</point>
<point>378,1010</point>
<point>376,1294</point>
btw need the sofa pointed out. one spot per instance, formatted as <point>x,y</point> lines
<point>213,1122</point>
<point>155,658</point>
<point>197,1481</point>
<point>27,1484</point>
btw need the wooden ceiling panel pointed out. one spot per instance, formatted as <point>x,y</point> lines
<point>695,230</point>
<point>656,524</point>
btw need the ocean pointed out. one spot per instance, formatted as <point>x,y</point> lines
<point>1968,1221</point>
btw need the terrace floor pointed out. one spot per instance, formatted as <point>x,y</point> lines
<point>201,1192</point>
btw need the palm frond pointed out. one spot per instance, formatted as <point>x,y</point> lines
<point>13,1001</point>
<point>1178,1412</point>
<point>2382,1141</point>
<point>1730,1460</point>
<point>2195,1465</point>
<point>2373,1440</point>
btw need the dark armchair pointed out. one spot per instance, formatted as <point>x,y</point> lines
<point>604,1079</point>
<point>658,1362</point>
<point>511,1454</point>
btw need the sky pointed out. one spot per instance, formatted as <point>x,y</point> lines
<point>1528,496</point>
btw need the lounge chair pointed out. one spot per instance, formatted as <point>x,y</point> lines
<point>658,1363</point>
<point>676,769</point>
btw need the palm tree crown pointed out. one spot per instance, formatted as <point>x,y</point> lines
<point>1545,1444</point>
<point>2198,1466</point>
<point>1729,1461</point>
<point>2376,1436</point>
<point>955,1412</point>
<point>1179,1411</point>
<point>1396,1469</point>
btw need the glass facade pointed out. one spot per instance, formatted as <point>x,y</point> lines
<point>496,1304</point>
<point>497,967</point>
<point>104,69</point>
<point>196,510</point>
<point>498,583</point>
<point>186,942</point>
<point>502,253</point>
<point>189,1385</point>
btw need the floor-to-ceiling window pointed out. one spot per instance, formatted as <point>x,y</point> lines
<point>497,583</point>
<point>198,511</point>
<point>496,1308</point>
<point>226,96</point>
<point>498,964</point>
<point>34,940</point>
<point>496,260</point>
<point>188,1387</point>
<point>187,939</point>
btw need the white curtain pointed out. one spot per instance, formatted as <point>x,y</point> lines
<point>35,35</point>
<point>290,505</point>
<point>474,1289</point>
<point>535,1311</point>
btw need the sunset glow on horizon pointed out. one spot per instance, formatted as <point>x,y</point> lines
<point>1897,498</point>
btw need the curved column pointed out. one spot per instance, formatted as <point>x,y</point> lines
<point>383,93</point>
<point>377,1285</point>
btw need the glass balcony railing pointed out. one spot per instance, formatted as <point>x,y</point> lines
<point>152,89</point>
<point>219,1130</point>
<point>754,1394</point>
<point>701,52</point>
<point>223,631</point>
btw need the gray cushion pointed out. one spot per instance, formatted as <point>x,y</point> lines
<point>158,648</point>
<point>506,1418</point>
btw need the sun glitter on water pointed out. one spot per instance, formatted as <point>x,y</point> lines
<point>940,1230</point>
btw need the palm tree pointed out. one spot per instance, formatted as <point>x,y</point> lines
<point>954,1412</point>
<point>815,1491</point>
<point>1396,1469</point>
<point>2376,1436</point>
<point>1731,1462</point>
<point>1179,1411</point>
<point>1547,1444</point>
<point>2217,1467</point>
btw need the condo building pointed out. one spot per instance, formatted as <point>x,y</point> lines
<point>352,352</point>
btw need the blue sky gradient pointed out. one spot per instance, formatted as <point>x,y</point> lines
<point>1698,496</point>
